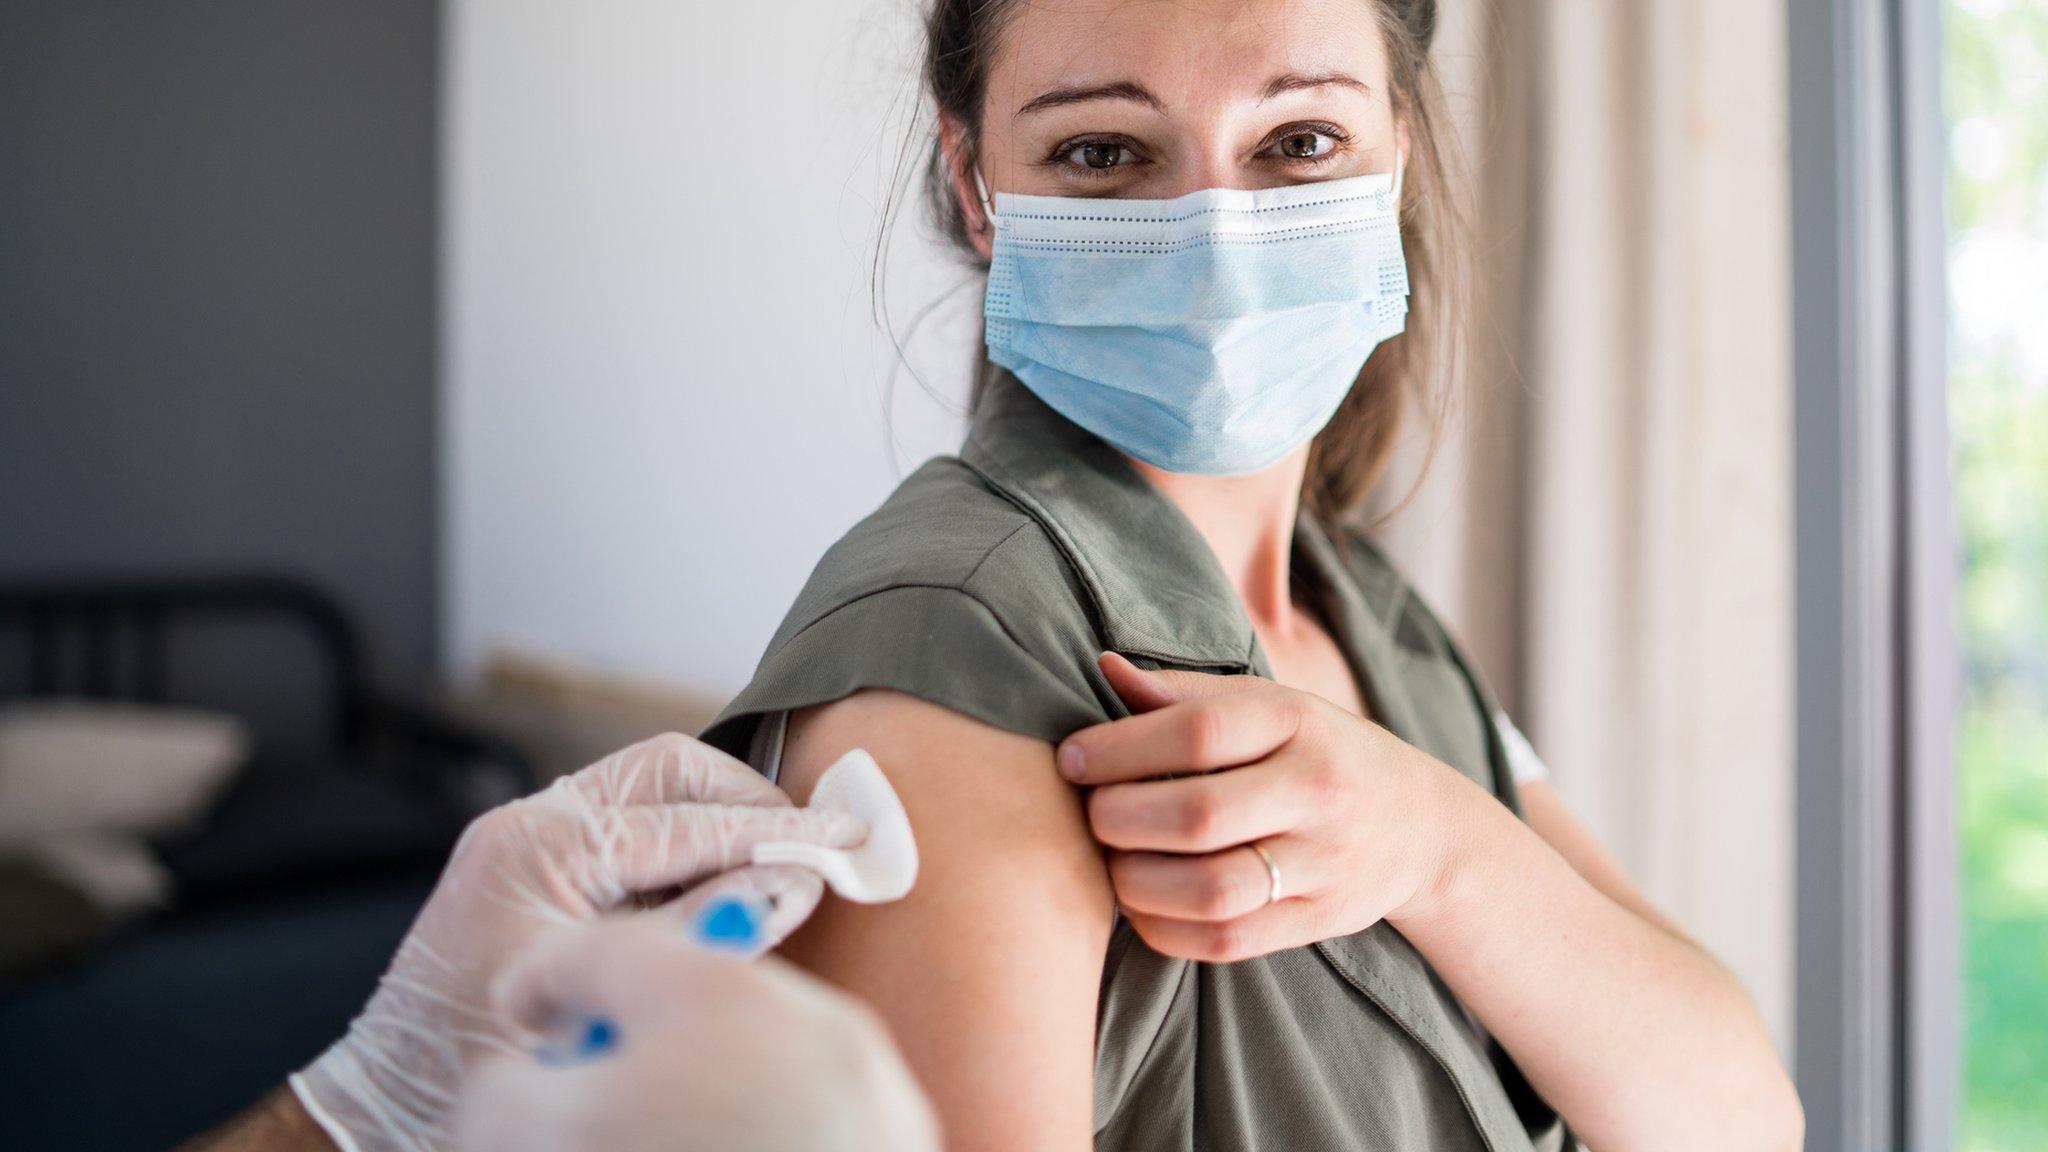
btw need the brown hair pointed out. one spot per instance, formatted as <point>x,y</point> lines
<point>1413,371</point>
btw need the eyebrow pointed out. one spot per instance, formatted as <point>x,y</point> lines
<point>1300,81</point>
<point>1136,93</point>
<point>1121,90</point>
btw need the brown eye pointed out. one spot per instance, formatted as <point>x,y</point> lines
<point>1305,145</point>
<point>1099,154</point>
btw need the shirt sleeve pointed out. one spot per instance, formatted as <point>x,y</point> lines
<point>940,644</point>
<point>1523,762</point>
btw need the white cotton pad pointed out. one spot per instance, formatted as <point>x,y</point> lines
<point>882,869</point>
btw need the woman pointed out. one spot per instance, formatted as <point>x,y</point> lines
<point>1298,900</point>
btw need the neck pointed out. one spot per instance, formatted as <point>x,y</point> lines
<point>1249,523</point>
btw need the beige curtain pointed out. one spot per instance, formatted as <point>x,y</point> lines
<point>1609,527</point>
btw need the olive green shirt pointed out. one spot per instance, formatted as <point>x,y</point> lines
<point>989,584</point>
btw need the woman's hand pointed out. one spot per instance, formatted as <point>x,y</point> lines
<point>1633,1033</point>
<point>1216,776</point>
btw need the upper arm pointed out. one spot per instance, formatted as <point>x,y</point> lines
<point>988,973</point>
<point>1550,819</point>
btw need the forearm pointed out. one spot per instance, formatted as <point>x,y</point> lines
<point>276,1123</point>
<point>1637,1036</point>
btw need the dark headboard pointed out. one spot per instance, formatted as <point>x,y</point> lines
<point>112,639</point>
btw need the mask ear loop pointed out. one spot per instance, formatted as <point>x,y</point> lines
<point>1400,173</point>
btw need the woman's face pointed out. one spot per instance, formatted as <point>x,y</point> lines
<point>1152,99</point>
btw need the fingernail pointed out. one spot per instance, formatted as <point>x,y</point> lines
<point>728,925</point>
<point>1071,762</point>
<point>1127,662</point>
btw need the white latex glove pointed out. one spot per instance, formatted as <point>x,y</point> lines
<point>642,823</point>
<point>700,1052</point>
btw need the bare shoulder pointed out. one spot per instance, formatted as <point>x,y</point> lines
<point>977,795</point>
<point>952,767</point>
<point>987,973</point>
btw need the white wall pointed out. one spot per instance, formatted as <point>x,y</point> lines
<point>664,390</point>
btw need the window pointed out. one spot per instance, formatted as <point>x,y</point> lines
<point>1996,89</point>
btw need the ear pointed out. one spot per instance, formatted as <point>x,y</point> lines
<point>960,161</point>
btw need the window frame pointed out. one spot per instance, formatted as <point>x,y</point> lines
<point>1877,652</point>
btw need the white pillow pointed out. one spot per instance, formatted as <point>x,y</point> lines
<point>117,872</point>
<point>78,766</point>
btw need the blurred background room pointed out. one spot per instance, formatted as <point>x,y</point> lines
<point>404,403</point>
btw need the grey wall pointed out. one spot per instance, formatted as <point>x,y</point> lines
<point>217,296</point>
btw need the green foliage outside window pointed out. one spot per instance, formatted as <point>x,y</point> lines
<point>1997,96</point>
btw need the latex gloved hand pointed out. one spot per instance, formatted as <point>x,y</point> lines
<point>661,1045</point>
<point>644,822</point>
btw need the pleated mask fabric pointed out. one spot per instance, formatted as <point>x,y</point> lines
<point>1213,333</point>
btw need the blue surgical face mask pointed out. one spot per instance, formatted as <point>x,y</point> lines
<point>1211,334</point>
